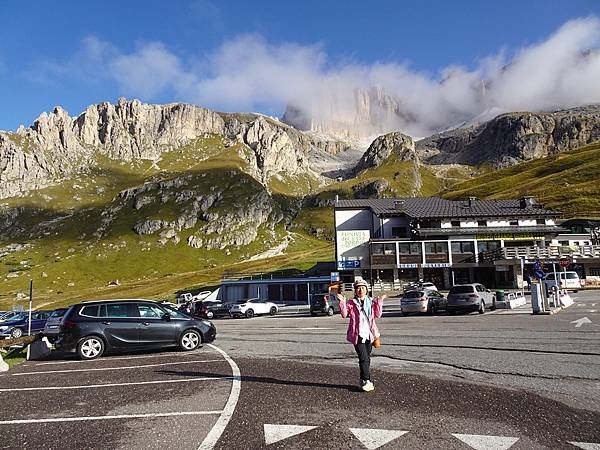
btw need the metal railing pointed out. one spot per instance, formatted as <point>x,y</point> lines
<point>551,252</point>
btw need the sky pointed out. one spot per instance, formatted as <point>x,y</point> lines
<point>445,61</point>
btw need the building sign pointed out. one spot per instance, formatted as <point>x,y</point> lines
<point>434,265</point>
<point>408,266</point>
<point>352,246</point>
<point>349,264</point>
<point>509,237</point>
<point>334,276</point>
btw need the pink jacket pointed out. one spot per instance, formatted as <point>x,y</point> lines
<point>349,308</point>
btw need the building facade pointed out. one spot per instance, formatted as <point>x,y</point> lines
<point>443,241</point>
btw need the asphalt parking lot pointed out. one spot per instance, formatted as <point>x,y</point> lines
<point>128,401</point>
<point>501,380</point>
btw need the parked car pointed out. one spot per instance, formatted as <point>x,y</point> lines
<point>52,327</point>
<point>7,315</point>
<point>93,328</point>
<point>253,307</point>
<point>567,280</point>
<point>470,297</point>
<point>18,325</point>
<point>212,308</point>
<point>420,285</point>
<point>429,285</point>
<point>422,301</point>
<point>324,304</point>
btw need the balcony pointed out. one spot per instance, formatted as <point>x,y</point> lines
<point>552,252</point>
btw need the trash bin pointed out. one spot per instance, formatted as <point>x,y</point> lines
<point>500,295</point>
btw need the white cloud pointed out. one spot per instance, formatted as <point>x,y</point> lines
<point>250,74</point>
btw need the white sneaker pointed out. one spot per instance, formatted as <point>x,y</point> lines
<point>368,386</point>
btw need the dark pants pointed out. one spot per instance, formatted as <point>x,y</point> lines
<point>363,350</point>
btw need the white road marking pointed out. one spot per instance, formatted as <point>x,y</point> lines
<point>122,416</point>
<point>592,310</point>
<point>586,445</point>
<point>104,359</point>
<point>373,438</point>
<point>295,328</point>
<point>217,430</point>
<point>482,442</point>
<point>90,386</point>
<point>117,368</point>
<point>276,433</point>
<point>581,321</point>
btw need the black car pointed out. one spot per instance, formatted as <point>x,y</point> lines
<point>92,328</point>
<point>212,308</point>
<point>324,304</point>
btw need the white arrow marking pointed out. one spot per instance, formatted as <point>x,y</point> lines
<point>586,445</point>
<point>276,433</point>
<point>581,321</point>
<point>482,442</point>
<point>374,438</point>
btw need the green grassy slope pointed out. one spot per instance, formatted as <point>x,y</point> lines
<point>567,182</point>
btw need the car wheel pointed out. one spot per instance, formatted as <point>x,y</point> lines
<point>431,309</point>
<point>90,347</point>
<point>481,307</point>
<point>190,340</point>
<point>493,307</point>
<point>210,315</point>
<point>16,333</point>
<point>312,313</point>
<point>273,311</point>
<point>249,313</point>
<point>451,312</point>
<point>404,313</point>
<point>330,312</point>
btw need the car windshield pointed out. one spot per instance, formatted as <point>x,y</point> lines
<point>59,312</point>
<point>572,276</point>
<point>414,294</point>
<point>461,289</point>
<point>19,316</point>
<point>177,314</point>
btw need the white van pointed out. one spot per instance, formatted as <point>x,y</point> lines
<point>567,280</point>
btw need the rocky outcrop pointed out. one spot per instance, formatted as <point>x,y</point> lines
<point>57,146</point>
<point>397,144</point>
<point>512,138</point>
<point>367,113</point>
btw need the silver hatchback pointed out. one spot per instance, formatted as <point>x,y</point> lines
<point>470,297</point>
<point>422,301</point>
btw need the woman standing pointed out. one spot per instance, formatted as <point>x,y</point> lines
<point>362,329</point>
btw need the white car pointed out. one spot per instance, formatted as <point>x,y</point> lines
<point>429,286</point>
<point>567,280</point>
<point>253,307</point>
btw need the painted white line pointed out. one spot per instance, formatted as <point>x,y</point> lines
<point>89,386</point>
<point>483,442</point>
<point>294,328</point>
<point>276,433</point>
<point>593,310</point>
<point>122,416</point>
<point>217,430</point>
<point>586,445</point>
<point>374,438</point>
<point>112,358</point>
<point>117,368</point>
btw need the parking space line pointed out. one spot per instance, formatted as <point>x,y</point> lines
<point>121,416</point>
<point>113,358</point>
<point>117,368</point>
<point>139,383</point>
<point>216,431</point>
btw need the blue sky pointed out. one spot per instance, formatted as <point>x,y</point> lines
<point>259,56</point>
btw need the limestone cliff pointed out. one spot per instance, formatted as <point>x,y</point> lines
<point>514,137</point>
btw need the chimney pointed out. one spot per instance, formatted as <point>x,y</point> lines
<point>526,202</point>
<point>472,201</point>
<point>398,204</point>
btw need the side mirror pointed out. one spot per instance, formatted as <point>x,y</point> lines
<point>167,317</point>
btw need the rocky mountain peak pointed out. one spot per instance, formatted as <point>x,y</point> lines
<point>390,144</point>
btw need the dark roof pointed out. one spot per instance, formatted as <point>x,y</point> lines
<point>435,207</point>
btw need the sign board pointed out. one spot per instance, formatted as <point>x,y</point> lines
<point>509,237</point>
<point>565,261</point>
<point>435,265</point>
<point>353,245</point>
<point>349,264</point>
<point>334,276</point>
<point>408,266</point>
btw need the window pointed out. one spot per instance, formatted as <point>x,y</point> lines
<point>461,290</point>
<point>412,248</point>
<point>455,223</point>
<point>540,221</point>
<point>151,311</point>
<point>436,247</point>
<point>90,311</point>
<point>595,272</point>
<point>513,222</point>
<point>480,288</point>
<point>399,232</point>
<point>462,247</point>
<point>487,246</point>
<point>121,310</point>
<point>377,249</point>
<point>482,223</point>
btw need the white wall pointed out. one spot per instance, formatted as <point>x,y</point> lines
<point>355,219</point>
<point>527,222</point>
<point>498,223</point>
